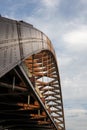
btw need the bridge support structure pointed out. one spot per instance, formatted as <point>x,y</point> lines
<point>30,89</point>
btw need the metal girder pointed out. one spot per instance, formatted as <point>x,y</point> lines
<point>29,78</point>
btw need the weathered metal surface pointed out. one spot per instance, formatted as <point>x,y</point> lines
<point>9,45</point>
<point>28,64</point>
<point>18,40</point>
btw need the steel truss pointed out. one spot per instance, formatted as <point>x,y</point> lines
<point>30,89</point>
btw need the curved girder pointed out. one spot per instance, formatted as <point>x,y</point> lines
<point>21,43</point>
<point>44,75</point>
<point>19,40</point>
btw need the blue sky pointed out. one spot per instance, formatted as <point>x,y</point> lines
<point>65,23</point>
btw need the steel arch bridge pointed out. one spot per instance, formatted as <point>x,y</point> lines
<point>30,89</point>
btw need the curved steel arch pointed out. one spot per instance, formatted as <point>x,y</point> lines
<point>23,45</point>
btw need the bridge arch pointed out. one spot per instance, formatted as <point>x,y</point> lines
<point>28,58</point>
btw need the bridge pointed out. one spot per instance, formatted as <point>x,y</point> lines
<point>30,89</point>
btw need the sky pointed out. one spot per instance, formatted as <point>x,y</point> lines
<point>65,23</point>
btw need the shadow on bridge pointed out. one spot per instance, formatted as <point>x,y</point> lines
<point>30,89</point>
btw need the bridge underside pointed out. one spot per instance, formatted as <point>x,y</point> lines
<point>22,95</point>
<point>30,89</point>
<point>19,106</point>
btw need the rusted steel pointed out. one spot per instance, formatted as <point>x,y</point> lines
<point>28,64</point>
<point>10,86</point>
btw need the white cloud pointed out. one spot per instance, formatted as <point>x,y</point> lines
<point>75,88</point>
<point>65,60</point>
<point>50,3</point>
<point>76,39</point>
<point>76,119</point>
<point>77,112</point>
<point>83,1</point>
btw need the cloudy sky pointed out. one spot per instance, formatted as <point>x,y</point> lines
<point>65,23</point>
